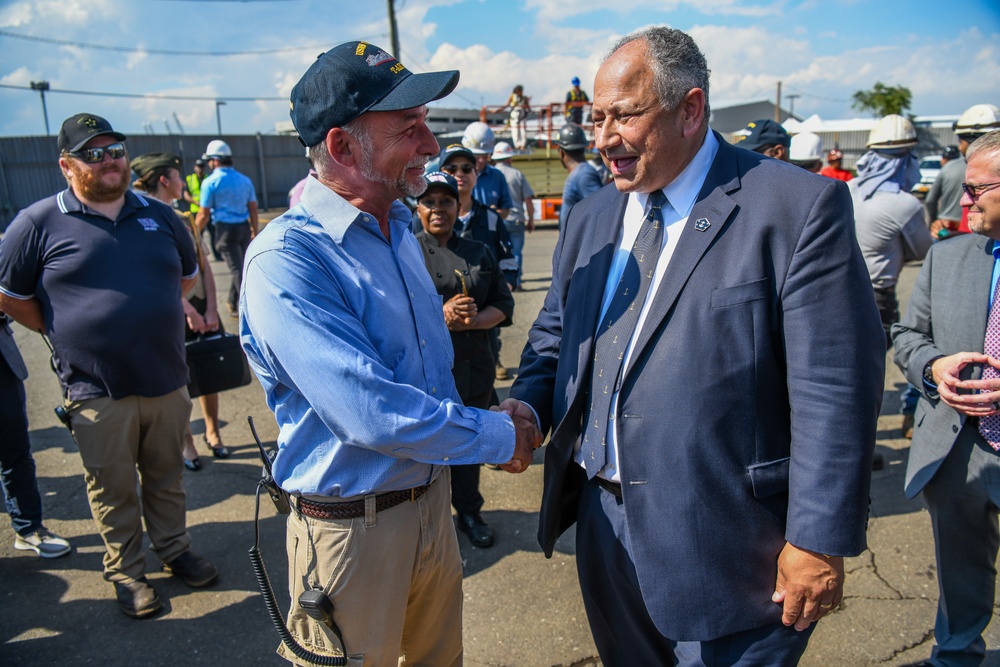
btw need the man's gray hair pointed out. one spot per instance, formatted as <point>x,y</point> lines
<point>988,144</point>
<point>678,63</point>
<point>319,156</point>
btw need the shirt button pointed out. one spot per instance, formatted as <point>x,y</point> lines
<point>423,342</point>
<point>434,390</point>
<point>412,296</point>
<point>447,458</point>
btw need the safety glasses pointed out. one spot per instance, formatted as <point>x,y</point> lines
<point>94,155</point>
<point>974,191</point>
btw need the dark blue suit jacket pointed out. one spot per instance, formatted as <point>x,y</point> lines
<point>748,414</point>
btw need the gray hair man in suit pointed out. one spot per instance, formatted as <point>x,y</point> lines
<point>948,344</point>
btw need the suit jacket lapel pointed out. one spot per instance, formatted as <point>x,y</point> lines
<point>715,206</point>
<point>605,232</point>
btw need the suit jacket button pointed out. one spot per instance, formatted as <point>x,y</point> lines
<point>954,429</point>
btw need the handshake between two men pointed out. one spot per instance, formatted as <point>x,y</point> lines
<point>529,437</point>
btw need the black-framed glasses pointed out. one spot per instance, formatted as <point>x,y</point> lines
<point>454,168</point>
<point>974,191</point>
<point>94,155</point>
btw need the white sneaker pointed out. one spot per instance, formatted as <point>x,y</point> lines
<point>43,543</point>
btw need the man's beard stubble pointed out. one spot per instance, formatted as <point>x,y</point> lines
<point>88,185</point>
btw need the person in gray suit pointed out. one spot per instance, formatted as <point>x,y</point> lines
<point>17,467</point>
<point>948,345</point>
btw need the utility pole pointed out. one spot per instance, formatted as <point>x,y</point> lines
<point>393,34</point>
<point>791,103</point>
<point>218,116</point>
<point>777,106</point>
<point>41,87</point>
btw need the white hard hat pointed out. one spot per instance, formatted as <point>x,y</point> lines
<point>978,119</point>
<point>503,151</point>
<point>478,138</point>
<point>892,131</point>
<point>218,148</point>
<point>806,147</point>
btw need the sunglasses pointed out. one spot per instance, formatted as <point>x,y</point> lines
<point>454,168</point>
<point>94,155</point>
<point>974,191</point>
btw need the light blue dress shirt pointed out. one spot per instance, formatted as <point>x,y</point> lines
<point>228,193</point>
<point>345,331</point>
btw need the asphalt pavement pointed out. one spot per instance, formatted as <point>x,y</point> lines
<point>520,608</point>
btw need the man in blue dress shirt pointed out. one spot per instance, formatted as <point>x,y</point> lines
<point>344,328</point>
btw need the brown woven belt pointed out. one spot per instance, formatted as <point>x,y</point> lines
<point>356,508</point>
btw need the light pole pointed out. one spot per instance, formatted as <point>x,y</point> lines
<point>791,103</point>
<point>41,87</point>
<point>218,116</point>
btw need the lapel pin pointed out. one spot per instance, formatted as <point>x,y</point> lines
<point>701,224</point>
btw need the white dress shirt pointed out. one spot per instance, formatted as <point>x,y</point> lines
<point>681,194</point>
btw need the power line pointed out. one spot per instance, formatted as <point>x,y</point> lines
<point>153,96</point>
<point>162,52</point>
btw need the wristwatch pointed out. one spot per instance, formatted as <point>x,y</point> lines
<point>929,381</point>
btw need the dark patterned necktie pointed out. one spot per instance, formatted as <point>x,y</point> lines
<point>989,426</point>
<point>615,332</point>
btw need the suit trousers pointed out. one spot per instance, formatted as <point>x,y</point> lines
<point>623,631</point>
<point>232,241</point>
<point>117,438</point>
<point>963,498</point>
<point>17,467</point>
<point>396,584</point>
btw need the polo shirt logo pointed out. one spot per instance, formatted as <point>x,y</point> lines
<point>149,224</point>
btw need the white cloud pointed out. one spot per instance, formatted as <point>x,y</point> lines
<point>560,10</point>
<point>15,15</point>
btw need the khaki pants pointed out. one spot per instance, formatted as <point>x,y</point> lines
<point>396,586</point>
<point>116,438</point>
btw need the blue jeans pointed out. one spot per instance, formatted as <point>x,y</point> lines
<point>17,467</point>
<point>516,233</point>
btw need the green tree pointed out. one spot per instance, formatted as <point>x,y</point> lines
<point>883,100</point>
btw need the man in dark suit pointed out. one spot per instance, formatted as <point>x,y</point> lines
<point>712,437</point>
<point>948,345</point>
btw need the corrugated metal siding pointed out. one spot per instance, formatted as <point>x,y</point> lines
<point>29,168</point>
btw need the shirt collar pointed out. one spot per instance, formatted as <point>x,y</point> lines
<point>338,214</point>
<point>69,203</point>
<point>683,190</point>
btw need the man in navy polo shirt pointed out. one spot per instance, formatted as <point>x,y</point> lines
<point>100,270</point>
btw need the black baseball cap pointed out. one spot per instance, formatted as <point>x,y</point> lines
<point>764,133</point>
<point>951,153</point>
<point>79,129</point>
<point>356,77</point>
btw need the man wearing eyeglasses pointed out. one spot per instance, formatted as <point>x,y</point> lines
<point>948,344</point>
<point>100,271</point>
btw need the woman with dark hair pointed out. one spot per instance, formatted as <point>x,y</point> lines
<point>159,176</point>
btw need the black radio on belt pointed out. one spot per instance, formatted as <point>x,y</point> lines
<point>278,496</point>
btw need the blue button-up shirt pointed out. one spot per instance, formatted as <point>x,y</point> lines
<point>491,188</point>
<point>228,193</point>
<point>346,333</point>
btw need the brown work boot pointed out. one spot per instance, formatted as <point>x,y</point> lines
<point>137,598</point>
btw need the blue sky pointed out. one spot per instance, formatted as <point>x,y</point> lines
<point>948,54</point>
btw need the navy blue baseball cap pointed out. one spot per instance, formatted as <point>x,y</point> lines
<point>356,77</point>
<point>453,150</point>
<point>764,133</point>
<point>438,179</point>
